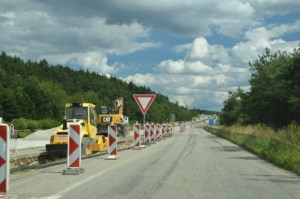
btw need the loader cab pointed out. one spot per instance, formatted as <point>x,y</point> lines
<point>76,111</point>
<point>81,111</point>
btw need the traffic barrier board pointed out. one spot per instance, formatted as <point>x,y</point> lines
<point>147,134</point>
<point>152,133</point>
<point>4,159</point>
<point>74,150</point>
<point>158,132</point>
<point>112,142</point>
<point>163,131</point>
<point>168,130</point>
<point>74,146</point>
<point>137,136</point>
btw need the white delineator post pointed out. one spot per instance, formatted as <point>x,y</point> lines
<point>74,150</point>
<point>137,136</point>
<point>4,159</point>
<point>112,142</point>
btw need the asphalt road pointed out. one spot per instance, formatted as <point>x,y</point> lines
<point>193,164</point>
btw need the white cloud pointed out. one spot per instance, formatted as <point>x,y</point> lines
<point>32,34</point>
<point>208,72</point>
<point>85,34</point>
<point>170,66</point>
<point>92,61</point>
<point>256,40</point>
<point>199,49</point>
<point>182,48</point>
<point>95,61</point>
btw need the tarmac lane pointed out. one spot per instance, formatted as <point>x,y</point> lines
<point>193,164</point>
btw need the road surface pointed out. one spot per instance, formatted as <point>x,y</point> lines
<point>193,164</point>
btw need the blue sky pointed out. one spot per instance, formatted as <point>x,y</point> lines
<point>192,51</point>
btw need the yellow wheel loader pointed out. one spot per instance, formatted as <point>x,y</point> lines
<point>85,115</point>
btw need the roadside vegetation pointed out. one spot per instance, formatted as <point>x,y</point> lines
<point>281,147</point>
<point>38,90</point>
<point>266,119</point>
<point>274,95</point>
<point>25,127</point>
<point>34,124</point>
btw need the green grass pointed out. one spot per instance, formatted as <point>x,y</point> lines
<point>275,149</point>
<point>24,133</point>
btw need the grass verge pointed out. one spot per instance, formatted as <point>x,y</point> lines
<point>24,133</point>
<point>281,153</point>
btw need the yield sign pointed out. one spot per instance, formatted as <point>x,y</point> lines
<point>144,101</point>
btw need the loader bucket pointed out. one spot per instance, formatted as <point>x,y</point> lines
<point>57,149</point>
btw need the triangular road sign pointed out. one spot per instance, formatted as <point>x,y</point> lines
<point>144,101</point>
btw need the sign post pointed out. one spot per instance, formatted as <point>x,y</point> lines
<point>144,102</point>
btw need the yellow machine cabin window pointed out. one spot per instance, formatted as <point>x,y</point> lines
<point>77,113</point>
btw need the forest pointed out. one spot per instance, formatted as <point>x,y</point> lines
<point>274,95</point>
<point>37,90</point>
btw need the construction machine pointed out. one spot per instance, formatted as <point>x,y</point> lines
<point>114,114</point>
<point>85,115</point>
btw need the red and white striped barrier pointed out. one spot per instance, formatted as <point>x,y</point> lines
<point>112,142</point>
<point>168,130</point>
<point>4,159</point>
<point>74,147</point>
<point>137,136</point>
<point>147,134</point>
<point>163,131</point>
<point>152,133</point>
<point>158,132</point>
<point>74,150</point>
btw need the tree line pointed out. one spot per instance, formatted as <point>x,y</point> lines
<point>274,95</point>
<point>37,90</point>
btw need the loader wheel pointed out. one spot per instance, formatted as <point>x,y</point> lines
<point>86,146</point>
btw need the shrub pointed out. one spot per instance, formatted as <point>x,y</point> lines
<point>22,123</point>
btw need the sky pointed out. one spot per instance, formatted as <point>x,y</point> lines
<point>194,52</point>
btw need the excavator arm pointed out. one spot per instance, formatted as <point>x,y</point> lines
<point>118,105</point>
